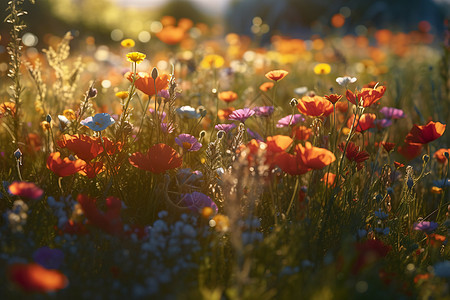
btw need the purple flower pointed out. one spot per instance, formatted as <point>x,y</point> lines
<point>392,113</point>
<point>383,123</point>
<point>161,115</point>
<point>241,114</point>
<point>188,142</point>
<point>164,94</point>
<point>290,120</point>
<point>263,111</point>
<point>425,226</point>
<point>49,258</point>
<point>196,201</point>
<point>254,135</point>
<point>167,128</point>
<point>225,127</point>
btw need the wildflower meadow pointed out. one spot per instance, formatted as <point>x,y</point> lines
<point>209,164</point>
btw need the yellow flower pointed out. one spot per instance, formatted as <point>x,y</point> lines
<point>45,125</point>
<point>212,61</point>
<point>322,69</point>
<point>127,43</point>
<point>220,222</point>
<point>436,190</point>
<point>69,114</point>
<point>207,212</point>
<point>122,95</point>
<point>136,57</point>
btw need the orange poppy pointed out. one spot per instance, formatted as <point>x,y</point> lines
<point>63,167</point>
<point>291,164</point>
<point>435,239</point>
<point>368,96</point>
<point>84,146</point>
<point>158,159</point>
<point>35,278</point>
<point>223,114</point>
<point>333,98</point>
<point>108,221</point>
<point>171,35</point>
<point>7,108</point>
<point>228,96</point>
<point>440,155</point>
<point>314,157</point>
<point>144,82</point>
<point>342,106</point>
<point>25,189</point>
<point>410,150</point>
<point>365,122</point>
<point>276,75</point>
<point>301,133</point>
<point>328,178</point>
<point>92,169</point>
<point>425,133</point>
<point>266,86</point>
<point>315,106</point>
<point>111,147</point>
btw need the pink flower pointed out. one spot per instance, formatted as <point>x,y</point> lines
<point>241,114</point>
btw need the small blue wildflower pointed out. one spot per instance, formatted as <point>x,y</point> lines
<point>390,190</point>
<point>187,112</point>
<point>380,214</point>
<point>442,269</point>
<point>383,231</point>
<point>99,122</point>
<point>442,183</point>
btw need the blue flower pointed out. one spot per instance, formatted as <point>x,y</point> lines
<point>442,183</point>
<point>442,269</point>
<point>188,112</point>
<point>381,214</point>
<point>98,122</point>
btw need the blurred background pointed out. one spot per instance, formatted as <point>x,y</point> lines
<point>112,20</point>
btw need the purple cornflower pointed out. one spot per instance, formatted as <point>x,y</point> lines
<point>161,115</point>
<point>425,226</point>
<point>49,258</point>
<point>383,123</point>
<point>164,94</point>
<point>167,128</point>
<point>241,114</point>
<point>254,135</point>
<point>188,142</point>
<point>196,201</point>
<point>290,120</point>
<point>392,113</point>
<point>225,127</point>
<point>263,111</point>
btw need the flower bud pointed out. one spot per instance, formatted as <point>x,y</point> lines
<point>18,154</point>
<point>48,118</point>
<point>202,134</point>
<point>294,102</point>
<point>425,158</point>
<point>446,155</point>
<point>410,183</point>
<point>220,134</point>
<point>155,73</point>
<point>92,92</point>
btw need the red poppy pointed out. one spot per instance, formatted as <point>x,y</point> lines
<point>342,106</point>
<point>228,96</point>
<point>276,75</point>
<point>276,145</point>
<point>333,98</point>
<point>35,278</point>
<point>144,82</point>
<point>366,121</point>
<point>266,86</point>
<point>63,167</point>
<point>158,159</point>
<point>387,146</point>
<point>421,277</point>
<point>108,221</point>
<point>435,239</point>
<point>410,150</point>
<point>111,147</point>
<point>92,169</point>
<point>315,106</point>
<point>440,155</point>
<point>314,157</point>
<point>369,252</point>
<point>301,133</point>
<point>425,133</point>
<point>25,189</point>
<point>353,153</point>
<point>367,96</point>
<point>84,146</point>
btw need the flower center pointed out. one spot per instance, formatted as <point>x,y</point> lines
<point>98,124</point>
<point>187,145</point>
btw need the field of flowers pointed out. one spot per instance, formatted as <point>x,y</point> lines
<point>207,166</point>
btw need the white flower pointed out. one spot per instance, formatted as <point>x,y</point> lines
<point>343,81</point>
